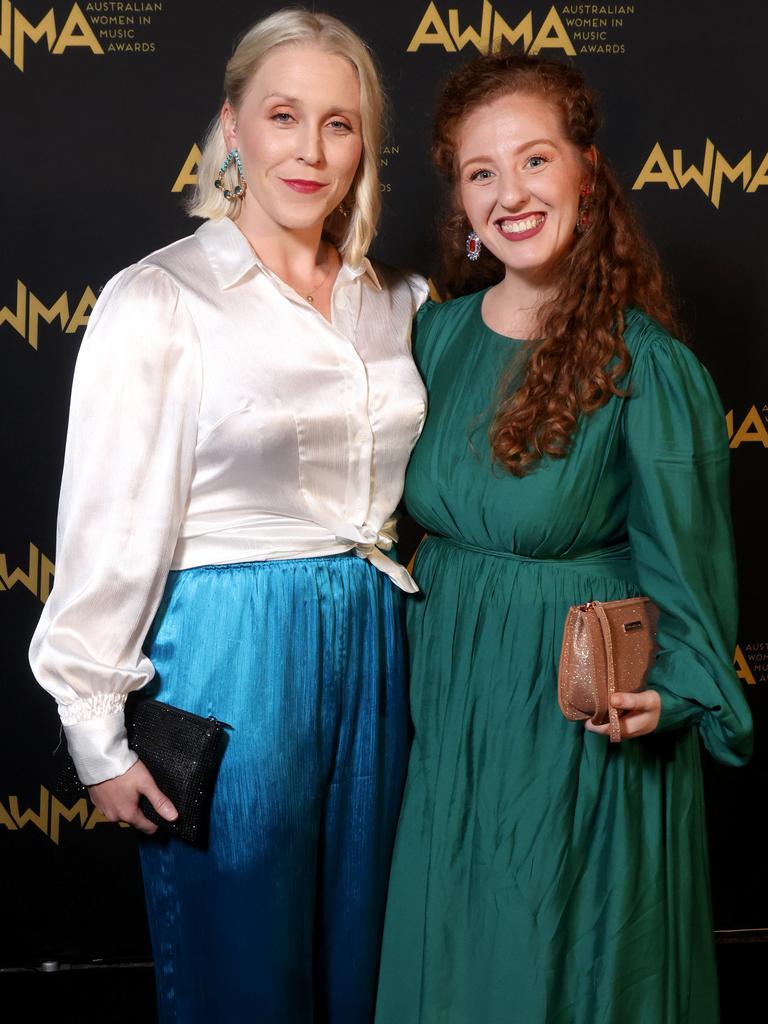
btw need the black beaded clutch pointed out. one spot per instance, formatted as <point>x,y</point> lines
<point>182,752</point>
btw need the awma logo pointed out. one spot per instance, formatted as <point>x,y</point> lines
<point>16,30</point>
<point>49,814</point>
<point>25,319</point>
<point>493,33</point>
<point>751,429</point>
<point>38,577</point>
<point>709,177</point>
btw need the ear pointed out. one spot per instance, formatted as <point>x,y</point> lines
<point>229,125</point>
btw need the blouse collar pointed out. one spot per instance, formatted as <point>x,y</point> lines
<point>231,256</point>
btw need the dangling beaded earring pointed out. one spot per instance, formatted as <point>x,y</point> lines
<point>238,192</point>
<point>474,246</point>
<point>343,210</point>
<point>585,204</point>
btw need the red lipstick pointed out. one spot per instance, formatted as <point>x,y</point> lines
<point>538,219</point>
<point>302,185</point>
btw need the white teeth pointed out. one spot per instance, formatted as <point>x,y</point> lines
<point>516,227</point>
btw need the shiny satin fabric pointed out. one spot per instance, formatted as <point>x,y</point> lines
<point>279,920</point>
<point>216,417</point>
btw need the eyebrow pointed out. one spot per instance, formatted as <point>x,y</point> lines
<point>294,101</point>
<point>280,96</point>
<point>520,149</point>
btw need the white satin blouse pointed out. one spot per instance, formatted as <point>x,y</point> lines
<point>216,417</point>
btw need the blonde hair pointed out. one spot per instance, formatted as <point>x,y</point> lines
<point>354,233</point>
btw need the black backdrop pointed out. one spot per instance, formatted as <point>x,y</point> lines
<point>103,103</point>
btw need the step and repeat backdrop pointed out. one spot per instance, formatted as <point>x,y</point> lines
<point>104,104</point>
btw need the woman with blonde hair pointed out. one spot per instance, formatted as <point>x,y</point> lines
<point>574,452</point>
<point>243,409</point>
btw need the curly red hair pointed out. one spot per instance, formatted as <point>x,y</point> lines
<point>611,266</point>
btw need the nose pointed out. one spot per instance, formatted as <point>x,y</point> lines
<point>310,148</point>
<point>513,193</point>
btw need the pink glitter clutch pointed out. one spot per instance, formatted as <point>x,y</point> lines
<point>608,647</point>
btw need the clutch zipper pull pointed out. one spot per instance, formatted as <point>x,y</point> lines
<point>218,721</point>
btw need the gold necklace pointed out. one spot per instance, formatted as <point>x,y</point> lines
<point>311,296</point>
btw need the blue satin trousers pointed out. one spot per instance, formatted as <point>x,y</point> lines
<point>279,920</point>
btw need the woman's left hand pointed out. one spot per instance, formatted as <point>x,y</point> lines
<point>641,714</point>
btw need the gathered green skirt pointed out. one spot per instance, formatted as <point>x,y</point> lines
<point>541,874</point>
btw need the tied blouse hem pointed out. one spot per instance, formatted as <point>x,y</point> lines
<point>267,543</point>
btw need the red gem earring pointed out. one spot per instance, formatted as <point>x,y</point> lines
<point>474,246</point>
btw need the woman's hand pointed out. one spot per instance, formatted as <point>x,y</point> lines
<point>118,799</point>
<point>641,714</point>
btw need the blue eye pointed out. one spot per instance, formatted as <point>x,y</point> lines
<point>340,125</point>
<point>536,161</point>
<point>481,175</point>
<point>282,117</point>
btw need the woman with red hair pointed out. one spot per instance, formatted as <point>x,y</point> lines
<point>574,451</point>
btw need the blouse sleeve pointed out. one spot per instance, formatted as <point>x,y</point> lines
<point>419,288</point>
<point>127,471</point>
<point>682,544</point>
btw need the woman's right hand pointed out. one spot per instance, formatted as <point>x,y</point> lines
<point>118,799</point>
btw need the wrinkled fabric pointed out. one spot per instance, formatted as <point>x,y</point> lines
<point>279,920</point>
<point>542,875</point>
<point>216,417</point>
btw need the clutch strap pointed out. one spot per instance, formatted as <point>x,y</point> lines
<point>613,714</point>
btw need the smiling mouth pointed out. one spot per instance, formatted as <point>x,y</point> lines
<point>519,227</point>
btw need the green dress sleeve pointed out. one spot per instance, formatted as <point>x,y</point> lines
<point>682,544</point>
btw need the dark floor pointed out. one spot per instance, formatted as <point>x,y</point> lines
<point>95,994</point>
<point>84,994</point>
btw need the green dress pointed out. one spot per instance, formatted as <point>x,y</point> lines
<point>542,875</point>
